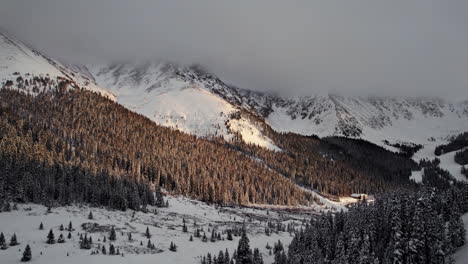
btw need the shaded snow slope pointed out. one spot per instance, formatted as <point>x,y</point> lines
<point>16,59</point>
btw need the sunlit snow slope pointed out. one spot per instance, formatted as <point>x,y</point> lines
<point>173,96</point>
<point>18,60</point>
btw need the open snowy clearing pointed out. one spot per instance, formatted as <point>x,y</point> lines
<point>165,227</point>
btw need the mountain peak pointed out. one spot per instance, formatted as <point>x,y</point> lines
<point>17,59</point>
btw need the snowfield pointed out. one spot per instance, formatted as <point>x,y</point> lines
<point>165,227</point>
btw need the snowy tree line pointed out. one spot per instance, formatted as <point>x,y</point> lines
<point>456,143</point>
<point>32,181</point>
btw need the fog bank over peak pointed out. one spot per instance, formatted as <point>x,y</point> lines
<point>392,48</point>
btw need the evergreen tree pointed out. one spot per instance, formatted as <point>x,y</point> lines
<point>27,255</point>
<point>226,256</point>
<point>173,247</point>
<point>281,258</point>
<point>395,250</point>
<point>2,239</point>
<point>85,243</point>
<point>61,239</point>
<point>213,236</point>
<point>50,237</point>
<point>147,233</point>
<point>111,249</point>
<point>244,254</point>
<point>456,232</point>
<point>257,257</point>
<point>112,235</point>
<point>90,215</point>
<point>70,226</point>
<point>41,226</point>
<point>341,256</point>
<point>13,241</point>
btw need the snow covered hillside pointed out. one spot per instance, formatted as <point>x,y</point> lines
<point>175,96</point>
<point>165,226</point>
<point>19,63</point>
<point>195,101</point>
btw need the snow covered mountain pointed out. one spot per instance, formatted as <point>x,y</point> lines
<point>180,97</point>
<point>19,63</point>
<point>195,101</point>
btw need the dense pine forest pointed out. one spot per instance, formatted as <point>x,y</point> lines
<point>80,130</point>
<point>335,165</point>
<point>64,128</point>
<point>400,227</point>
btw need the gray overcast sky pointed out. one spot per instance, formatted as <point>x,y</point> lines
<point>396,47</point>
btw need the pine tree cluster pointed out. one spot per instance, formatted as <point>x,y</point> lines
<point>461,157</point>
<point>242,255</point>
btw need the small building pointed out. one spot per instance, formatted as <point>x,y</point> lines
<point>360,196</point>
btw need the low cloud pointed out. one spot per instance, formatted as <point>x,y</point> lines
<point>416,48</point>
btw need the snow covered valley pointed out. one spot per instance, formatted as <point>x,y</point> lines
<point>165,226</point>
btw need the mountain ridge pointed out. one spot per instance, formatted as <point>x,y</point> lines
<point>372,118</point>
